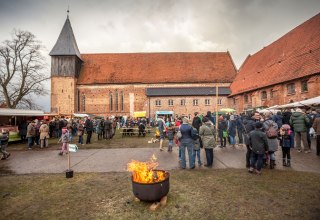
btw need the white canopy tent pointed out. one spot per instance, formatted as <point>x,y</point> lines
<point>308,102</point>
<point>20,112</point>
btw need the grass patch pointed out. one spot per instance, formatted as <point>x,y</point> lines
<point>197,194</point>
<point>116,142</point>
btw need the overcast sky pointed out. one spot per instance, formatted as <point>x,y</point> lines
<point>109,26</point>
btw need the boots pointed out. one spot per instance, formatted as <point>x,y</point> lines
<point>288,163</point>
<point>272,164</point>
<point>284,162</point>
<point>161,141</point>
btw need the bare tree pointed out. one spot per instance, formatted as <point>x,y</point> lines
<point>22,70</point>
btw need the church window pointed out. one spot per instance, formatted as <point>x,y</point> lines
<point>111,102</point>
<point>170,102</point>
<point>117,101</point>
<point>83,102</point>
<point>78,100</point>
<point>122,101</point>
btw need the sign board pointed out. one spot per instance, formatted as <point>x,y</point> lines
<point>73,148</point>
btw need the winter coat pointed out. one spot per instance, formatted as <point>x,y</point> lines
<point>80,130</point>
<point>299,122</point>
<point>222,126</point>
<point>207,133</point>
<point>239,124</point>
<point>278,119</point>
<point>186,131</point>
<point>31,131</point>
<point>88,125</point>
<point>44,131</point>
<point>23,128</point>
<point>196,144</point>
<point>272,142</point>
<point>258,141</point>
<point>171,132</point>
<point>287,141</point>
<point>196,123</point>
<point>232,130</point>
<point>286,118</point>
<point>107,124</point>
<point>316,125</point>
<point>64,138</point>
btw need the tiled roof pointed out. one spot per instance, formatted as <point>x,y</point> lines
<point>66,43</point>
<point>293,56</point>
<point>187,91</point>
<point>157,68</point>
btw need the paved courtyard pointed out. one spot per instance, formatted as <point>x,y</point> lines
<point>115,160</point>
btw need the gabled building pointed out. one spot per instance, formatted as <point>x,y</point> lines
<point>285,71</point>
<point>123,83</point>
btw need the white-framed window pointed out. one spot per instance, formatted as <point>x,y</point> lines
<point>158,102</point>
<point>170,102</point>
<point>195,102</point>
<point>182,102</point>
<point>207,101</point>
<point>219,101</point>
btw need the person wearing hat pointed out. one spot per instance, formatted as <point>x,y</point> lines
<point>299,121</point>
<point>31,132</point>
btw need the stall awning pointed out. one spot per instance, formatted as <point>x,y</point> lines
<point>20,112</point>
<point>141,114</point>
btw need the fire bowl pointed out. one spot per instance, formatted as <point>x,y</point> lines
<point>151,192</point>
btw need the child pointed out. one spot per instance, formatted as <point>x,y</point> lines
<point>80,133</point>
<point>286,142</point>
<point>4,143</point>
<point>170,134</point>
<point>64,140</point>
<point>196,148</point>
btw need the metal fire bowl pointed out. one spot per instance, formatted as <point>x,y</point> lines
<point>151,192</point>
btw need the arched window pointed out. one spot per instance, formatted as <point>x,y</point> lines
<point>117,101</point>
<point>111,102</point>
<point>83,102</point>
<point>122,101</point>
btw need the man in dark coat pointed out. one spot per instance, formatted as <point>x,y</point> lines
<point>196,123</point>
<point>88,125</point>
<point>107,128</point>
<point>259,145</point>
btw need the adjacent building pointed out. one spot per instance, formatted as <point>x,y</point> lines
<point>285,71</point>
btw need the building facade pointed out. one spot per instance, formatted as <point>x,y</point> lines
<point>123,83</point>
<point>288,70</point>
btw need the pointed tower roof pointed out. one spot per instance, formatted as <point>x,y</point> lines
<point>66,43</point>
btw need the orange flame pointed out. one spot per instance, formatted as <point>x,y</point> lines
<point>144,172</point>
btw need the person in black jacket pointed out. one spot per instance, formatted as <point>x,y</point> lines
<point>258,142</point>
<point>196,123</point>
<point>88,125</point>
<point>249,125</point>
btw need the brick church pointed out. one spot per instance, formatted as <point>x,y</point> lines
<point>124,83</point>
<point>118,84</point>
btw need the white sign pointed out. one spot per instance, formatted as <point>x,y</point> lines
<point>73,148</point>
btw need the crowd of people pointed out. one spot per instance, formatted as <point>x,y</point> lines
<point>262,134</point>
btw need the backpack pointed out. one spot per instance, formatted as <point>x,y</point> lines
<point>194,134</point>
<point>272,132</point>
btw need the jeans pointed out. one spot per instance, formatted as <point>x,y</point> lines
<point>256,159</point>
<point>209,156</point>
<point>80,139</point>
<point>196,153</point>
<point>189,147</point>
<point>30,142</point>
<point>232,140</point>
<point>170,145</point>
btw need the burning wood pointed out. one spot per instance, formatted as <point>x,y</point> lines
<point>144,172</point>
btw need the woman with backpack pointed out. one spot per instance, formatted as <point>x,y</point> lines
<point>271,130</point>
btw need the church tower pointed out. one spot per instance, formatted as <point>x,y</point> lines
<point>65,69</point>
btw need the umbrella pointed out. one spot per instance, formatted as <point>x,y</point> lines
<point>227,110</point>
